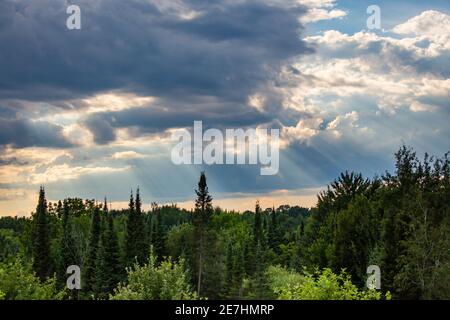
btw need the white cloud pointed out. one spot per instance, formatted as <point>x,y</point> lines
<point>318,14</point>
<point>66,172</point>
<point>321,10</point>
<point>417,106</point>
<point>359,83</point>
<point>127,155</point>
<point>429,23</point>
<point>303,131</point>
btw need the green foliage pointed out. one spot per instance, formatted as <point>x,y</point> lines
<point>399,222</point>
<point>168,281</point>
<point>108,269</point>
<point>94,240</point>
<point>355,237</point>
<point>202,216</point>
<point>19,282</point>
<point>158,235</point>
<point>9,244</point>
<point>321,285</point>
<point>41,248</point>
<point>135,241</point>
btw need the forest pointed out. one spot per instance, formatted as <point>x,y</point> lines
<point>399,221</point>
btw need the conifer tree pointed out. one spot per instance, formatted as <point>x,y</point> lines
<point>41,243</point>
<point>94,239</point>
<point>130,236</point>
<point>108,271</point>
<point>258,228</point>
<point>203,211</point>
<point>135,241</point>
<point>141,242</point>
<point>67,247</point>
<point>273,233</point>
<point>259,280</point>
<point>158,240</point>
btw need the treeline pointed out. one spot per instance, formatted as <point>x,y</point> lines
<point>399,222</point>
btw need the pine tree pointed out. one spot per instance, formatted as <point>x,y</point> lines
<point>158,239</point>
<point>257,228</point>
<point>259,279</point>
<point>203,211</point>
<point>108,271</point>
<point>67,246</point>
<point>94,239</point>
<point>41,244</point>
<point>300,246</point>
<point>273,234</point>
<point>135,241</point>
<point>141,243</point>
<point>130,237</point>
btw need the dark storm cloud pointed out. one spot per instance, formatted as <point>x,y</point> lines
<point>130,44</point>
<point>101,129</point>
<point>229,51</point>
<point>25,133</point>
<point>156,119</point>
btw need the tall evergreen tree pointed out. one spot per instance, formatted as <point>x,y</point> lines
<point>257,227</point>
<point>94,239</point>
<point>259,279</point>
<point>41,243</point>
<point>136,248</point>
<point>130,236</point>
<point>108,271</point>
<point>140,236</point>
<point>67,244</point>
<point>158,240</point>
<point>273,233</point>
<point>203,211</point>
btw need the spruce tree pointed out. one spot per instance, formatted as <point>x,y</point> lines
<point>130,236</point>
<point>41,244</point>
<point>259,279</point>
<point>108,271</point>
<point>67,246</point>
<point>258,228</point>
<point>158,240</point>
<point>203,211</point>
<point>94,239</point>
<point>273,233</point>
<point>141,243</point>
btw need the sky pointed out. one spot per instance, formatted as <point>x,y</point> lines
<point>89,113</point>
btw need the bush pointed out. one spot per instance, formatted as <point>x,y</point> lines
<point>168,281</point>
<point>18,282</point>
<point>321,285</point>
